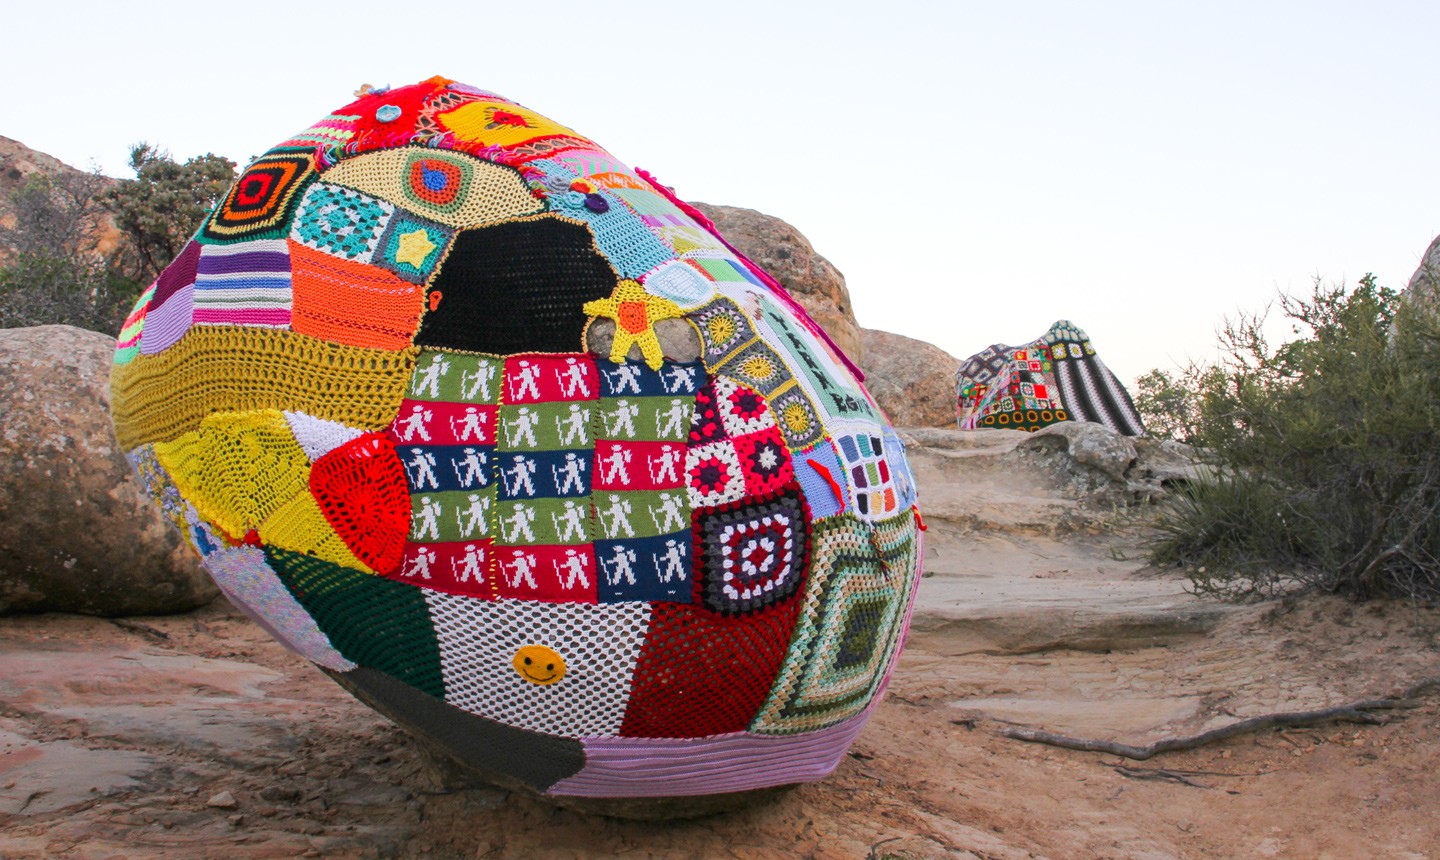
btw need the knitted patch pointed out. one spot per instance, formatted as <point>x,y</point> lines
<point>352,303</point>
<point>519,286</point>
<point>899,465</point>
<point>172,310</point>
<point>445,187</point>
<point>318,437</point>
<point>735,448</point>
<point>238,468</point>
<point>178,275</point>
<point>244,283</point>
<point>753,554</point>
<point>127,344</point>
<point>703,672</point>
<point>796,416</point>
<point>832,386</point>
<point>597,644</point>
<point>412,247</point>
<point>360,487</point>
<point>624,239</point>
<point>250,584</point>
<point>724,329</point>
<point>646,568</point>
<point>489,123</point>
<point>822,479</point>
<point>846,636</point>
<point>341,221</point>
<point>867,470</point>
<point>217,368</point>
<point>371,621</point>
<point>681,283</point>
<point>260,203</point>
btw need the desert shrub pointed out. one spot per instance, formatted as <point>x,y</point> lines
<point>1324,452</point>
<point>55,267</point>
<point>160,208</point>
<point>53,271</point>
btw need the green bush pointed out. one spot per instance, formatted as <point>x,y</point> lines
<point>55,267</point>
<point>1324,452</point>
<point>53,271</point>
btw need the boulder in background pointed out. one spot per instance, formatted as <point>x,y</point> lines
<point>77,533</point>
<point>913,381</point>
<point>788,256</point>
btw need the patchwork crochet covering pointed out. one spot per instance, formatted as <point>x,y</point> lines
<point>1056,377</point>
<point>507,437</point>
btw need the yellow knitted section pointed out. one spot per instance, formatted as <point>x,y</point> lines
<point>157,398</point>
<point>486,192</point>
<point>238,468</point>
<point>300,526</point>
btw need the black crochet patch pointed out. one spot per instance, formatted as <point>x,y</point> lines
<point>516,287</point>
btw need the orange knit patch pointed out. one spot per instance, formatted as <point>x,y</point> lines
<point>351,303</point>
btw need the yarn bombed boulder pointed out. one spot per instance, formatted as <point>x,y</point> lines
<point>509,440</point>
<point>1056,377</point>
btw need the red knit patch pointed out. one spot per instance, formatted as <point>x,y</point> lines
<point>360,486</point>
<point>703,672</point>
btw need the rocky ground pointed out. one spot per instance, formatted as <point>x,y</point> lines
<point>195,735</point>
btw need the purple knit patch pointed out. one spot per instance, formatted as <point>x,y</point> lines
<point>176,277</point>
<point>674,767</point>
<point>167,323</point>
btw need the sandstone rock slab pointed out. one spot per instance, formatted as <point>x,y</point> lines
<point>76,533</point>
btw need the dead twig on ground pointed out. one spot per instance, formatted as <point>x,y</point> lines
<point>142,629</point>
<point>1160,774</point>
<point>1355,712</point>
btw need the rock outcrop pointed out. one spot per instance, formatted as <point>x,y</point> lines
<point>76,532</point>
<point>19,163</point>
<point>913,381</point>
<point>788,256</point>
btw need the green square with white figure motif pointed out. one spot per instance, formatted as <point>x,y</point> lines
<point>531,522</point>
<point>455,377</point>
<point>621,514</point>
<point>643,419</point>
<point>453,516</point>
<point>545,426</point>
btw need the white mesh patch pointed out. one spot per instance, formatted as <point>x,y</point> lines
<point>598,642</point>
<point>318,436</point>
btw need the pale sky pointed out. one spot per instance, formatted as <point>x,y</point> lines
<point>977,170</point>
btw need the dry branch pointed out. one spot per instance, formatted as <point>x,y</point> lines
<point>1356,712</point>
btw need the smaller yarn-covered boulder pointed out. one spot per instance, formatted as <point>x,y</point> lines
<point>1056,377</point>
<point>510,441</point>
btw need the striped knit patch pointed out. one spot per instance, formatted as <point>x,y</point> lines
<point>247,283</point>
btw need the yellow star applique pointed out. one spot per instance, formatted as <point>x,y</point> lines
<point>413,248</point>
<point>635,313</point>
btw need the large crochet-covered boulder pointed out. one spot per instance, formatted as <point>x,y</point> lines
<point>506,437</point>
<point>1056,377</point>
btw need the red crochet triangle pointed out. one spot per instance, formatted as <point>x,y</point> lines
<point>361,488</point>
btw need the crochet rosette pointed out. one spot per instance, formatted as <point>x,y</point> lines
<point>509,440</point>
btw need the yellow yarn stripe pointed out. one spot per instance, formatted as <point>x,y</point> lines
<point>300,526</point>
<point>157,398</point>
<point>243,471</point>
<point>494,193</point>
<point>238,468</point>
